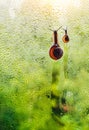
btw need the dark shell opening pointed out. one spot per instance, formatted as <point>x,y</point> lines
<point>58,52</point>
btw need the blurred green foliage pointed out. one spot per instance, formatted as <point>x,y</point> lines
<point>28,75</point>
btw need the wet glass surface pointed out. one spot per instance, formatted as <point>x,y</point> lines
<point>36,91</point>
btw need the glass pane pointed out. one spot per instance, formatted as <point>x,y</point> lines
<point>44,65</point>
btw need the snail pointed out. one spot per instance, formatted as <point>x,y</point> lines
<point>55,51</point>
<point>65,38</point>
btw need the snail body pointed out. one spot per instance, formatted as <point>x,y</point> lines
<point>55,51</point>
<point>65,38</point>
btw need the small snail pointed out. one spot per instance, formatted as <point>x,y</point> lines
<point>65,38</point>
<point>55,51</point>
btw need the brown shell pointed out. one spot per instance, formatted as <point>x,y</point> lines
<point>51,52</point>
<point>65,38</point>
<point>55,52</point>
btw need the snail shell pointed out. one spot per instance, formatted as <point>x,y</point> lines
<point>65,38</point>
<point>55,52</point>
